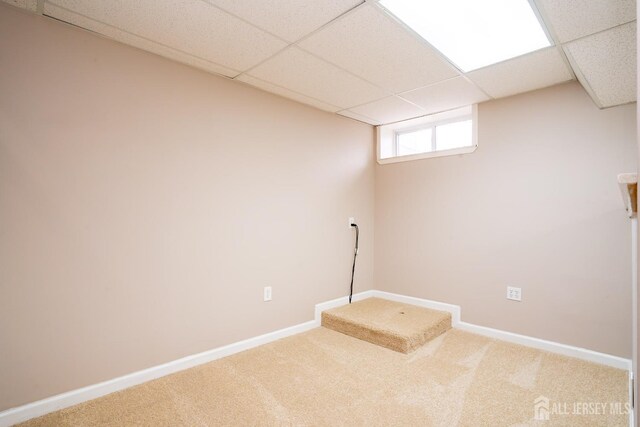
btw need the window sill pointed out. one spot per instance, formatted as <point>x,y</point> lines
<point>430,155</point>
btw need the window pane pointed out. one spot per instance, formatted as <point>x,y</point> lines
<point>387,148</point>
<point>414,142</point>
<point>454,135</point>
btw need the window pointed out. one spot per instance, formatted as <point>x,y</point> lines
<point>448,133</point>
<point>454,135</point>
<point>414,142</point>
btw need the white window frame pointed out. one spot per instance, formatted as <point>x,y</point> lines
<point>388,134</point>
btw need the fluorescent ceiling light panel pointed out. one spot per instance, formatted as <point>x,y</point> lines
<point>473,33</point>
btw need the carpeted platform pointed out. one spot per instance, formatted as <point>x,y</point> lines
<point>393,325</point>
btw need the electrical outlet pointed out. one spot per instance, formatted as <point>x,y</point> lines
<point>352,221</point>
<point>267,293</point>
<point>514,294</point>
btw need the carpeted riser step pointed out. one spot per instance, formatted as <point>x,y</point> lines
<point>396,326</point>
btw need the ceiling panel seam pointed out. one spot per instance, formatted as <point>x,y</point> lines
<point>598,32</point>
<point>331,22</point>
<point>245,21</point>
<point>295,43</point>
<point>582,78</point>
<point>358,114</point>
<point>417,117</point>
<point>464,76</point>
<point>544,18</point>
<point>468,79</point>
<point>417,36</point>
<point>389,92</point>
<point>140,37</point>
<point>382,99</point>
<point>287,89</point>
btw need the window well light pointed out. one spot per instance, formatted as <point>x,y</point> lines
<point>473,33</point>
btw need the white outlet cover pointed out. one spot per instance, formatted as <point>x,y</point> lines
<point>267,293</point>
<point>514,294</point>
<point>352,220</point>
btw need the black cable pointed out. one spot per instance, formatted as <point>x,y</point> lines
<point>355,254</point>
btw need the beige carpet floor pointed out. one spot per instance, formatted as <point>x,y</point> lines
<point>400,327</point>
<point>325,378</point>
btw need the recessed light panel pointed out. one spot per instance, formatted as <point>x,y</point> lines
<point>473,33</point>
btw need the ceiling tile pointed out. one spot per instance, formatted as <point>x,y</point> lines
<point>289,19</point>
<point>303,73</point>
<point>572,19</point>
<point>189,26</point>
<point>139,42</point>
<point>24,4</point>
<point>452,93</point>
<point>286,93</point>
<point>371,45</point>
<point>358,117</point>
<point>606,63</point>
<point>535,70</point>
<point>389,110</point>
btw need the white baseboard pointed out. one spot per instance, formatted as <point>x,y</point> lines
<point>540,344</point>
<point>74,397</point>
<point>550,346</point>
<point>19,414</point>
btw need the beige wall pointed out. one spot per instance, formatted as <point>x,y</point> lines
<point>144,205</point>
<point>536,206</point>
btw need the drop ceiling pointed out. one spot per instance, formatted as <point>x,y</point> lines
<point>353,58</point>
